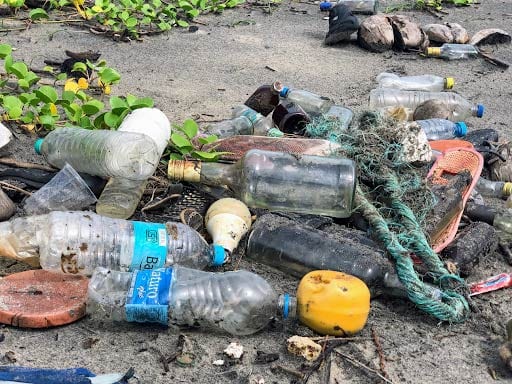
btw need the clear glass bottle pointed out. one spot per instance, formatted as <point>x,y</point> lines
<point>387,97</point>
<point>237,302</point>
<point>453,51</point>
<point>120,197</point>
<point>78,242</point>
<point>493,188</point>
<point>100,152</point>
<point>428,83</point>
<point>441,129</point>
<point>238,126</point>
<point>261,124</point>
<point>265,98</point>
<point>279,181</point>
<point>367,7</point>
<point>343,115</point>
<point>310,102</point>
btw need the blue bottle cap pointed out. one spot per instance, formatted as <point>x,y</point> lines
<point>325,5</point>
<point>286,305</point>
<point>218,255</point>
<point>480,110</point>
<point>284,92</point>
<point>460,129</point>
<point>37,146</point>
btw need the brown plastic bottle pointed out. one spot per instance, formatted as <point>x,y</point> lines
<point>265,98</point>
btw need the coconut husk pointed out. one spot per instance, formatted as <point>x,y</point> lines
<point>490,36</point>
<point>407,33</point>
<point>432,109</point>
<point>459,33</point>
<point>438,33</point>
<point>376,34</point>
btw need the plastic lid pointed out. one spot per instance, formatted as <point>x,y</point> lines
<point>480,109</point>
<point>218,255</point>
<point>433,51</point>
<point>37,146</point>
<point>284,92</point>
<point>286,305</point>
<point>507,189</point>
<point>325,5</point>
<point>460,129</point>
<point>449,82</point>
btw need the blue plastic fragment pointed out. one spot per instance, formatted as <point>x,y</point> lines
<point>49,376</point>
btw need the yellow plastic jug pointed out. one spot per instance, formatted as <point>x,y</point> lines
<point>333,303</point>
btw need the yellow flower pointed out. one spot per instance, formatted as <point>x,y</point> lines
<point>82,83</point>
<point>106,87</point>
<point>71,85</point>
<point>53,109</point>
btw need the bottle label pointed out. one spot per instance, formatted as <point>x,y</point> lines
<point>150,248</point>
<point>148,296</point>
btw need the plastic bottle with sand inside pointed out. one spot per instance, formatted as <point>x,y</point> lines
<point>237,302</point>
<point>493,188</point>
<point>101,153</point>
<point>388,97</point>
<point>429,83</point>
<point>310,102</point>
<point>78,242</point>
<point>238,126</point>
<point>261,124</point>
<point>453,51</point>
<point>441,129</point>
<point>279,181</point>
<point>120,196</point>
<point>340,114</point>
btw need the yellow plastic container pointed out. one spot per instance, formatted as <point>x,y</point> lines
<point>333,303</point>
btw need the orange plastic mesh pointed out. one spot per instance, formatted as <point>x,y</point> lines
<point>444,145</point>
<point>453,161</point>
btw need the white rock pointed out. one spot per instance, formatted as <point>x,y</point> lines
<point>218,362</point>
<point>234,350</point>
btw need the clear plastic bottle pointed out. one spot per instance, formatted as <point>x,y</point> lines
<point>310,102</point>
<point>493,188</point>
<point>453,51</point>
<point>343,115</point>
<point>78,242</point>
<point>441,129</point>
<point>279,181</point>
<point>387,97</point>
<point>120,197</point>
<point>237,126</point>
<point>261,124</point>
<point>237,302</point>
<point>101,153</point>
<point>429,83</point>
<point>356,6</point>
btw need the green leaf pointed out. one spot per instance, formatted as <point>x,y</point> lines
<point>80,67</point>
<point>99,121</point>
<point>15,112</point>
<point>183,23</point>
<point>175,156</point>
<point>62,76</point>
<point>85,123</point>
<point>81,95</point>
<point>47,94</point>
<point>207,156</point>
<point>109,76</point>
<point>208,140</point>
<point>192,13</point>
<point>47,120</point>
<point>143,102</point>
<point>23,84</point>
<point>5,50</point>
<point>8,63</point>
<point>26,98</point>
<point>118,105</point>
<point>163,26</point>
<point>10,102</point>
<point>180,141</point>
<point>38,13</point>
<point>67,96</point>
<point>111,120</point>
<point>32,78</point>
<point>92,107</point>
<point>131,22</point>
<point>28,118</point>
<point>190,128</point>
<point>18,69</point>
<point>73,112</point>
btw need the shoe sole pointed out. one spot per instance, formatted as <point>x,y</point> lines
<point>338,37</point>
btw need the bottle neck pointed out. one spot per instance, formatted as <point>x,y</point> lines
<point>213,174</point>
<point>287,306</point>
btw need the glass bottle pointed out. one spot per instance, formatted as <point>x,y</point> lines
<point>261,124</point>
<point>265,98</point>
<point>279,181</point>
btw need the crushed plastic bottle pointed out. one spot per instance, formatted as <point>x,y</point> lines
<point>279,181</point>
<point>428,83</point>
<point>310,102</point>
<point>387,97</point>
<point>261,124</point>
<point>265,98</point>
<point>453,51</point>
<point>441,129</point>
<point>493,188</point>
<point>101,153</point>
<point>78,242</point>
<point>232,127</point>
<point>237,302</point>
<point>120,197</point>
<point>368,7</point>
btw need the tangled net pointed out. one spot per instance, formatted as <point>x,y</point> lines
<point>394,198</point>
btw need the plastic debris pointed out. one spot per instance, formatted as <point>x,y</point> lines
<point>305,347</point>
<point>234,350</point>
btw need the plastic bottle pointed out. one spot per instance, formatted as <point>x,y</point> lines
<point>310,102</point>
<point>441,129</point>
<point>265,98</point>
<point>279,181</point>
<point>101,153</point>
<point>238,302</point>
<point>120,197</point>
<point>261,124</point>
<point>238,126</point>
<point>493,188</point>
<point>453,51</point>
<point>501,220</point>
<point>428,83</point>
<point>343,115</point>
<point>387,97</point>
<point>356,6</point>
<point>78,242</point>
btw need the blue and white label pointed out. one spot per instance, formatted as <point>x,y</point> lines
<point>148,296</point>
<point>150,247</point>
